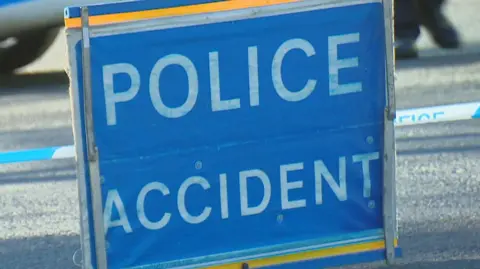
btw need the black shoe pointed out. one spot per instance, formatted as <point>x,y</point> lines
<point>405,49</point>
<point>440,28</point>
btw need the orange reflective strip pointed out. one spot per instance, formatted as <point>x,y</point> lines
<point>308,255</point>
<point>176,11</point>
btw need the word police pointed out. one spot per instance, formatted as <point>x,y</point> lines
<point>283,187</point>
<point>115,97</point>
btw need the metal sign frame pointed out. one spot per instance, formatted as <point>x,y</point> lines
<point>89,180</point>
<point>389,175</point>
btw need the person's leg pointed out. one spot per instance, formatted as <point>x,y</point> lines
<point>437,24</point>
<point>407,29</point>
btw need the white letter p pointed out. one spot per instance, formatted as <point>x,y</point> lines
<point>111,98</point>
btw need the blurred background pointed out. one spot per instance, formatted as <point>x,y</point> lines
<point>438,183</point>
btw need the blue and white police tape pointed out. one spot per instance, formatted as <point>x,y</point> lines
<point>406,117</point>
<point>41,154</point>
<point>464,111</point>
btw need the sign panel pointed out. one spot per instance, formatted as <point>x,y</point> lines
<point>251,137</point>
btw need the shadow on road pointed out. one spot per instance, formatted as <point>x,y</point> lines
<point>430,244</point>
<point>39,252</point>
<point>435,61</point>
<point>434,57</point>
<point>18,83</point>
<point>40,138</point>
<point>456,264</point>
<point>438,138</point>
<point>437,149</point>
<point>61,170</point>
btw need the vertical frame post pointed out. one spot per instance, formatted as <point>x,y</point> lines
<point>92,151</point>
<point>389,157</point>
<point>389,42</point>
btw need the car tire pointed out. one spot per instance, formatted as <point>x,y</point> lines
<point>27,48</point>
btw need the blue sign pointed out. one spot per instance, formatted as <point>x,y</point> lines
<point>237,139</point>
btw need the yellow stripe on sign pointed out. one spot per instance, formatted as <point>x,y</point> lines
<point>175,11</point>
<point>309,255</point>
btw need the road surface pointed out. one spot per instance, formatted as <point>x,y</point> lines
<point>438,165</point>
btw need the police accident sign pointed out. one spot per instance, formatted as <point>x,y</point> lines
<point>245,138</point>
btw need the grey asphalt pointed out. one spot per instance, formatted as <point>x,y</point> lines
<point>438,169</point>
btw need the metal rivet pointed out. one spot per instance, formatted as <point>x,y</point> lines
<point>280,218</point>
<point>369,140</point>
<point>198,165</point>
